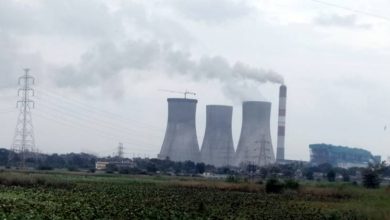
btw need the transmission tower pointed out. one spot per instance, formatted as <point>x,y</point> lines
<point>263,153</point>
<point>120,151</point>
<point>23,142</point>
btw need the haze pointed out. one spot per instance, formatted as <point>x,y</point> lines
<point>101,67</point>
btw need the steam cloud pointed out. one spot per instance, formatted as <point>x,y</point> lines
<point>108,61</point>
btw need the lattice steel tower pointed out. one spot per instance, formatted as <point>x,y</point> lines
<point>121,151</point>
<point>23,142</point>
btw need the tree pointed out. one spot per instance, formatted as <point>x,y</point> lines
<point>324,168</point>
<point>151,167</point>
<point>371,178</point>
<point>346,177</point>
<point>372,175</point>
<point>331,175</point>
<point>263,172</point>
<point>308,173</point>
<point>200,168</point>
<point>111,168</point>
<point>4,155</point>
<point>189,167</point>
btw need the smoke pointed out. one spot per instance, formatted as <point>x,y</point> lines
<point>108,60</point>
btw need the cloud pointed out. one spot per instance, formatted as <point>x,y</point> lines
<point>13,60</point>
<point>109,60</point>
<point>81,18</point>
<point>335,20</point>
<point>215,11</point>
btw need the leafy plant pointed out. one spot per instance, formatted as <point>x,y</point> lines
<point>274,186</point>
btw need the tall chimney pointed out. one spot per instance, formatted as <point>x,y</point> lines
<point>281,123</point>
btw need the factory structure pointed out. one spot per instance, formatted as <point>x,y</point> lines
<point>217,147</point>
<point>281,123</point>
<point>340,156</point>
<point>254,145</point>
<point>180,141</point>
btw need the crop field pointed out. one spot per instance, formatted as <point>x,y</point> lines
<point>89,196</point>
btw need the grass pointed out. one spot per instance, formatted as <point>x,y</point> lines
<point>65,195</point>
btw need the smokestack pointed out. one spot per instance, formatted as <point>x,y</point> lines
<point>281,123</point>
<point>180,142</point>
<point>217,146</point>
<point>255,144</point>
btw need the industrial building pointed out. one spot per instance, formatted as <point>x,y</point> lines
<point>180,141</point>
<point>255,144</point>
<point>217,147</point>
<point>341,156</point>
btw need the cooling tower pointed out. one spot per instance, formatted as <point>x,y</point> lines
<point>180,141</point>
<point>255,144</point>
<point>217,146</point>
<point>281,123</point>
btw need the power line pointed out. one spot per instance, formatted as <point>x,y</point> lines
<point>102,134</point>
<point>97,122</point>
<point>93,109</point>
<point>352,10</point>
<point>3,111</point>
<point>90,126</point>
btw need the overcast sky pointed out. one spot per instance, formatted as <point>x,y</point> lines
<point>100,67</point>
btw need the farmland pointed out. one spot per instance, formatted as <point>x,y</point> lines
<point>51,195</point>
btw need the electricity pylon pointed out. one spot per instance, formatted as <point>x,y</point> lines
<point>24,142</point>
<point>120,151</point>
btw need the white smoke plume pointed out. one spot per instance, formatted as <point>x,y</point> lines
<point>107,61</point>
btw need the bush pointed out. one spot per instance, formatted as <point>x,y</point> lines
<point>44,167</point>
<point>232,179</point>
<point>274,186</point>
<point>73,169</point>
<point>91,170</point>
<point>124,170</point>
<point>292,184</point>
<point>29,180</point>
<point>260,182</point>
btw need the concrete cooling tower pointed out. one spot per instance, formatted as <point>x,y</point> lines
<point>255,144</point>
<point>217,147</point>
<point>180,142</point>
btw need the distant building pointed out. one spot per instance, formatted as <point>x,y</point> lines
<point>341,156</point>
<point>101,165</point>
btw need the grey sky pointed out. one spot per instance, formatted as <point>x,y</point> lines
<point>100,64</point>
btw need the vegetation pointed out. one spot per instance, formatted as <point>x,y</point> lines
<point>274,186</point>
<point>76,195</point>
<point>372,175</point>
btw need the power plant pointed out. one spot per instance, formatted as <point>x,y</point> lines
<point>255,144</point>
<point>180,141</point>
<point>281,123</point>
<point>217,146</point>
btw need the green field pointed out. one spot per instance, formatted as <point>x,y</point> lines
<point>89,196</point>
